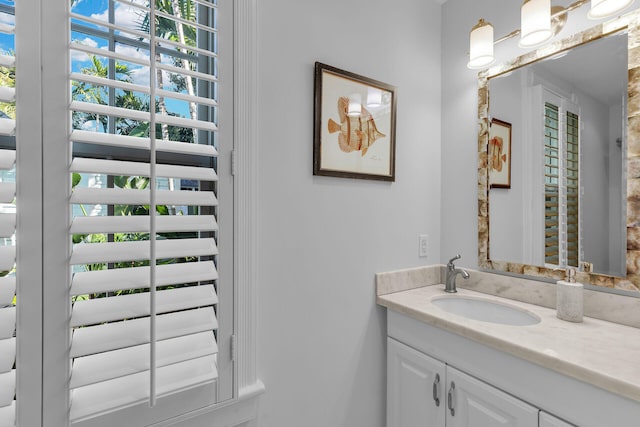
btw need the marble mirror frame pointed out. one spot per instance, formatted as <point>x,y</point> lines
<point>631,23</point>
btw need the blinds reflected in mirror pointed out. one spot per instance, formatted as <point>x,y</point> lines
<point>572,169</point>
<point>561,186</point>
<point>551,185</point>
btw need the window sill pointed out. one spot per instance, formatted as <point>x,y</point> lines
<point>233,413</point>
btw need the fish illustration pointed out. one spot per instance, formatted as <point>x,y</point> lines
<point>495,153</point>
<point>357,133</point>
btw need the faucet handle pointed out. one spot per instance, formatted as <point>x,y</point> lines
<point>458,256</point>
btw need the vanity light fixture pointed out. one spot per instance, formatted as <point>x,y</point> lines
<point>535,23</point>
<point>481,45</point>
<point>540,22</point>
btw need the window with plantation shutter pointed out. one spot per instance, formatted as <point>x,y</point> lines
<point>120,296</point>
<point>561,186</point>
<point>145,289</point>
<point>8,299</point>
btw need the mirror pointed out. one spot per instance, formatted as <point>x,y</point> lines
<point>556,178</point>
<point>564,203</point>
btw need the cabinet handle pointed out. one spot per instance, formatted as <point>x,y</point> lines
<point>436,390</point>
<point>450,399</point>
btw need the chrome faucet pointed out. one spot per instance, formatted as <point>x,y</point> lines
<point>452,272</point>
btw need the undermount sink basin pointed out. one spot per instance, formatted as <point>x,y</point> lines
<point>485,310</point>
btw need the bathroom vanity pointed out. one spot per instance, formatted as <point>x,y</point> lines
<point>446,369</point>
<point>494,353</point>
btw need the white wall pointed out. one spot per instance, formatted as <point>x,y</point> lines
<point>459,112</point>
<point>594,144</point>
<point>321,351</point>
<point>506,207</point>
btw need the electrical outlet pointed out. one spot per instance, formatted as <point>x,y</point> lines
<point>423,245</point>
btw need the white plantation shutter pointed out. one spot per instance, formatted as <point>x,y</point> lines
<point>7,243</point>
<point>562,181</point>
<point>144,318</point>
<point>552,197</point>
<point>572,188</point>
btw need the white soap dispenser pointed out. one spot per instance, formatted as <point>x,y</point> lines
<point>569,298</point>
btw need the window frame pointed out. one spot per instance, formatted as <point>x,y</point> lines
<point>43,364</point>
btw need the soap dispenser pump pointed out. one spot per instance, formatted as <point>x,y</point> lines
<point>569,298</point>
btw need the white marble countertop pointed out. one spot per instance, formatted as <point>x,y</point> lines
<point>601,353</point>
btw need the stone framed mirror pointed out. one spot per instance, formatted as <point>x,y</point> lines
<point>574,198</point>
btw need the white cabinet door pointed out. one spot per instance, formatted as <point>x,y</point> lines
<point>415,388</point>
<point>548,420</point>
<point>472,403</point>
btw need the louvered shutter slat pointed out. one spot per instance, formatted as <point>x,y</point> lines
<point>7,354</point>
<point>101,81</point>
<point>118,363</point>
<point>91,282</point>
<point>7,387</point>
<point>7,127</point>
<point>7,29</point>
<point>140,142</point>
<point>186,48</point>
<point>7,61</point>
<point>105,24</point>
<point>120,196</point>
<point>111,336</point>
<point>99,310</point>
<point>140,223</point>
<point>93,253</point>
<point>7,159</point>
<point>7,290</point>
<point>106,110</point>
<point>7,224</point>
<point>189,73</point>
<point>107,54</point>
<point>115,167</point>
<point>8,415</point>
<point>132,389</point>
<point>7,94</point>
<point>7,322</point>
<point>143,116</point>
<point>7,191</point>
<point>175,19</point>
<point>7,257</point>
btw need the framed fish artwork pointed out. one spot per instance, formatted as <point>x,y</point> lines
<point>354,125</point>
<point>499,154</point>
